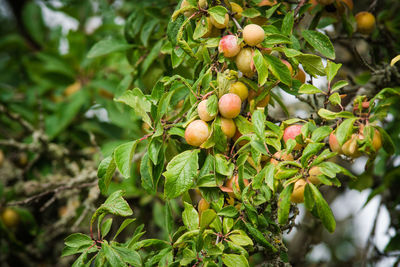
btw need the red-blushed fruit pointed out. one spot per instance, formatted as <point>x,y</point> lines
<point>244,62</point>
<point>237,10</point>
<point>10,217</point>
<point>229,105</point>
<point>228,45</point>
<point>334,143</point>
<point>196,133</point>
<point>313,175</point>
<point>350,147</point>
<point>203,113</point>
<point>228,127</point>
<point>291,132</point>
<point>298,191</point>
<point>253,34</point>
<point>365,22</point>
<point>289,66</point>
<point>364,105</point>
<point>240,89</point>
<point>229,185</point>
<point>279,156</point>
<point>219,25</point>
<point>300,76</point>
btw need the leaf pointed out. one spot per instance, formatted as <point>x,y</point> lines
<point>112,256</point>
<point>323,209</point>
<point>181,172</point>
<point>190,217</point>
<point>284,204</point>
<point>251,13</point>
<point>259,237</point>
<point>320,42</point>
<point>207,217</point>
<point>147,29</point>
<point>173,29</point>
<point>124,224</point>
<point>278,69</point>
<point>274,39</point>
<point>241,240</point>
<point>105,227</point>
<point>310,150</point>
<point>105,173</point>
<point>218,13</point>
<point>344,130</point>
<point>338,85</point>
<point>330,115</point>
<point>228,211</point>
<point>312,64</point>
<point>78,240</point>
<point>261,67</point>
<point>258,120</point>
<point>107,46</point>
<point>309,89</point>
<point>308,198</point>
<point>321,133</point>
<point>222,166</point>
<point>201,28</point>
<point>243,125</point>
<point>335,99</point>
<point>114,204</point>
<point>234,260</point>
<point>287,23</point>
<point>331,70</point>
<point>123,155</point>
<point>136,100</point>
<point>212,105</point>
<point>128,255</point>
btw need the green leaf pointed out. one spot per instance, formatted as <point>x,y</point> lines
<point>261,67</point>
<point>228,211</point>
<point>338,85</point>
<point>31,11</point>
<point>258,120</point>
<point>201,28</point>
<point>136,100</point>
<point>284,204</point>
<point>107,46</point>
<point>331,70</point>
<point>234,260</point>
<point>112,256</point>
<point>212,105</point>
<point>335,99</point>
<point>128,255</point>
<point>123,155</point>
<point>323,209</point>
<point>310,150</point>
<point>308,198</point>
<point>309,89</point>
<point>241,240</point>
<point>274,39</point>
<point>124,224</point>
<point>180,174</point>
<point>250,13</point>
<point>278,69</point>
<point>259,237</point>
<point>105,173</point>
<point>218,13</point>
<point>330,115</point>
<point>207,217</point>
<point>287,23</point>
<point>312,64</point>
<point>190,217</point>
<point>222,166</point>
<point>78,240</point>
<point>321,133</point>
<point>105,227</point>
<point>320,42</point>
<point>147,29</point>
<point>344,130</point>
<point>243,125</point>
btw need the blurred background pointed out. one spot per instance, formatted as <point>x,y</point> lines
<point>58,120</point>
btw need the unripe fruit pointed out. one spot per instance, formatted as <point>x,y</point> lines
<point>203,3</point>
<point>253,34</point>
<point>263,102</point>
<point>240,89</point>
<point>237,10</point>
<point>244,62</point>
<point>203,113</point>
<point>365,22</point>
<point>377,140</point>
<point>288,65</point>
<point>298,191</point>
<point>300,76</point>
<point>291,132</point>
<point>350,147</point>
<point>203,205</point>
<point>334,143</point>
<point>228,127</point>
<point>235,179</point>
<point>228,45</point>
<point>282,157</point>
<point>219,25</point>
<point>229,105</point>
<point>314,172</point>
<point>325,2</point>
<point>196,133</point>
<point>10,217</point>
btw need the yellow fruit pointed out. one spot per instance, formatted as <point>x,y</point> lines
<point>228,127</point>
<point>240,89</point>
<point>253,34</point>
<point>196,133</point>
<point>244,62</point>
<point>313,175</point>
<point>10,217</point>
<point>298,191</point>
<point>229,105</point>
<point>281,156</point>
<point>203,113</point>
<point>365,22</point>
<point>237,10</point>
